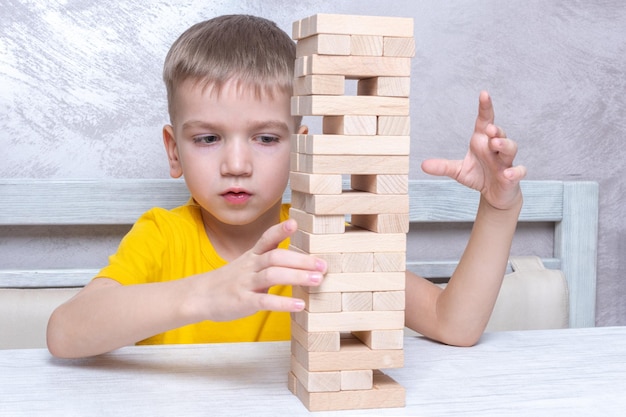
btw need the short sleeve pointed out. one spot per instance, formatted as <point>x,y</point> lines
<point>140,253</point>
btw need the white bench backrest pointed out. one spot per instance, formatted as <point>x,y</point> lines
<point>571,206</point>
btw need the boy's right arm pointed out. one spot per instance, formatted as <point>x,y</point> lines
<point>106,315</point>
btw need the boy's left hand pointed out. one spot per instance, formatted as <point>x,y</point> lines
<point>488,164</point>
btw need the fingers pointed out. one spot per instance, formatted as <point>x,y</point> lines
<point>274,266</point>
<point>282,275</point>
<point>441,167</point>
<point>270,240</point>
<point>494,131</point>
<point>506,150</point>
<point>274,235</point>
<point>503,146</point>
<point>486,114</point>
<point>515,174</point>
<point>271,302</point>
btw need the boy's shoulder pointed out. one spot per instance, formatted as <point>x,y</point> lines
<point>187,215</point>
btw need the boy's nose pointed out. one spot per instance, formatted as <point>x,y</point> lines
<point>236,159</point>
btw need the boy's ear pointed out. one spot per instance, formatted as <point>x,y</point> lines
<point>171,148</point>
<point>303,130</point>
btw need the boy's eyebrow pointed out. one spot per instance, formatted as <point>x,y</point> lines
<point>255,125</point>
<point>269,124</point>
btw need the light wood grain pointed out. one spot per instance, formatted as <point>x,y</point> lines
<point>353,25</point>
<point>349,105</point>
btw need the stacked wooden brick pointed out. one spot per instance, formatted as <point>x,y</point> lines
<point>353,323</point>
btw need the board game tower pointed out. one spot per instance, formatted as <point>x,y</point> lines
<point>353,324</point>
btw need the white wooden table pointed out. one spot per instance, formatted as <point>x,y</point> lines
<point>574,372</point>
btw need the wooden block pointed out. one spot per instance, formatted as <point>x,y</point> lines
<point>353,145</point>
<point>353,67</point>
<point>386,393</point>
<point>315,341</point>
<point>346,321</point>
<point>311,223</point>
<point>381,223</point>
<point>382,339</point>
<point>295,142</point>
<point>296,29</point>
<point>384,86</point>
<point>319,302</point>
<point>355,25</point>
<point>361,281</point>
<point>356,301</point>
<point>380,184</point>
<point>316,381</point>
<point>349,125</point>
<point>356,202</point>
<point>292,383</point>
<point>349,105</point>
<point>388,301</point>
<point>315,183</point>
<point>389,261</point>
<point>394,125</point>
<point>301,68</point>
<point>353,164</point>
<point>366,45</point>
<point>334,262</point>
<point>357,262</point>
<point>353,240</point>
<point>357,380</point>
<point>294,161</point>
<point>393,46</point>
<point>327,44</point>
<point>319,84</point>
<point>352,355</point>
<point>298,200</point>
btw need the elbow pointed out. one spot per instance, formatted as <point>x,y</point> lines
<point>463,341</point>
<point>461,337</point>
<point>57,339</point>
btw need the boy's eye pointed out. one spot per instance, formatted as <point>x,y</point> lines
<point>267,139</point>
<point>205,139</point>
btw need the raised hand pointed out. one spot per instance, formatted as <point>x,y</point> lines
<point>488,164</point>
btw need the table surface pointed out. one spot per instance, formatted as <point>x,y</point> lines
<point>527,373</point>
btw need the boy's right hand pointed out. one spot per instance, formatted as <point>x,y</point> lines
<point>240,288</point>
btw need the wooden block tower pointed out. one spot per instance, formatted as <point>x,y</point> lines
<point>353,323</point>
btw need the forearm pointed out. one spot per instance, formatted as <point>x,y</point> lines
<point>459,314</point>
<point>108,316</point>
<point>466,304</point>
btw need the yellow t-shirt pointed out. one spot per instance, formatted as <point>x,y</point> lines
<point>165,245</point>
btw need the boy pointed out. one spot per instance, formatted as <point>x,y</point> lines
<point>216,269</point>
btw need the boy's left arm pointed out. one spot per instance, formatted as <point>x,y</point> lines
<point>459,314</point>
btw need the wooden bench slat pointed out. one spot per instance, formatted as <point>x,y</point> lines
<point>64,202</point>
<point>62,278</point>
<point>119,201</point>
<point>572,206</point>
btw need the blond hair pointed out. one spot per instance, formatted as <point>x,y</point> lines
<point>251,50</point>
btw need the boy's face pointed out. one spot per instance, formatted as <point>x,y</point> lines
<point>233,149</point>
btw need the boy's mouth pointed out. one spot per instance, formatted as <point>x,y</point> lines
<point>236,196</point>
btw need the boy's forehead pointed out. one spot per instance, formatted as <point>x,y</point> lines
<point>193,95</point>
<point>236,87</point>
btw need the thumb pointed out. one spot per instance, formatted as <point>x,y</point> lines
<point>441,167</point>
<point>274,235</point>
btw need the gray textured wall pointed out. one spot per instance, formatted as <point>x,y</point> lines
<point>81,96</point>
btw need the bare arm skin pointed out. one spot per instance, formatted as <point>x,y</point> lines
<point>106,315</point>
<point>459,314</point>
